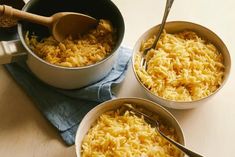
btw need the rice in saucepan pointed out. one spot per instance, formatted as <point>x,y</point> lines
<point>88,49</point>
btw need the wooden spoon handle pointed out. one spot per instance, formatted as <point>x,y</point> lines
<point>10,12</point>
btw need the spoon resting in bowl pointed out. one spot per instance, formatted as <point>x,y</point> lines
<point>61,24</point>
<point>145,52</point>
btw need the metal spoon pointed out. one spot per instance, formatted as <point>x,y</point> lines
<point>61,24</point>
<point>176,144</point>
<point>167,10</point>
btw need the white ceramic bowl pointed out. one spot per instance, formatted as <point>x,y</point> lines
<point>205,33</point>
<point>92,116</point>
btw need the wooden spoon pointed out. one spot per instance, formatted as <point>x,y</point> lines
<point>61,24</point>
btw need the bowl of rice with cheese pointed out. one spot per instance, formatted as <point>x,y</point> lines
<point>189,64</point>
<point>110,130</point>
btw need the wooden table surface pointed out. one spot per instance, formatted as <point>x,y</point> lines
<point>209,129</point>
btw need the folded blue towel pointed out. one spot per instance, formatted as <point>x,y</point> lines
<point>65,108</point>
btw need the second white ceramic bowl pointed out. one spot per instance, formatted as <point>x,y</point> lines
<point>178,26</point>
<point>92,116</point>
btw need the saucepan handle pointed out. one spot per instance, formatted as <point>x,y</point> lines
<point>12,51</point>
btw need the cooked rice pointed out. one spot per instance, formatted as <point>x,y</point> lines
<point>7,22</point>
<point>126,135</point>
<point>88,49</point>
<point>182,67</point>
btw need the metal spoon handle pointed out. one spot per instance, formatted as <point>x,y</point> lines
<point>181,147</point>
<point>167,10</point>
<point>143,62</point>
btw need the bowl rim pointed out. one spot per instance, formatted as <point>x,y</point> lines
<point>84,119</point>
<point>113,52</point>
<point>175,101</point>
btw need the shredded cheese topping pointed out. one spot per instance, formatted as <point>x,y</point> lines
<point>182,67</point>
<point>88,49</point>
<point>126,135</point>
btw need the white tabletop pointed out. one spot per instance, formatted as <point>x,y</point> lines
<point>209,129</point>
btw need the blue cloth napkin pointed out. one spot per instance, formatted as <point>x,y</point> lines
<point>66,108</point>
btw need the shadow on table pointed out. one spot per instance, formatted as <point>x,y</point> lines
<point>19,117</point>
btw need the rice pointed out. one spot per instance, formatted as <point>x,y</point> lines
<point>182,67</point>
<point>87,49</point>
<point>126,135</point>
<point>7,22</point>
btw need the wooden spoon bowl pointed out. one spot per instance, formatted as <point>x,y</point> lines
<point>61,24</point>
